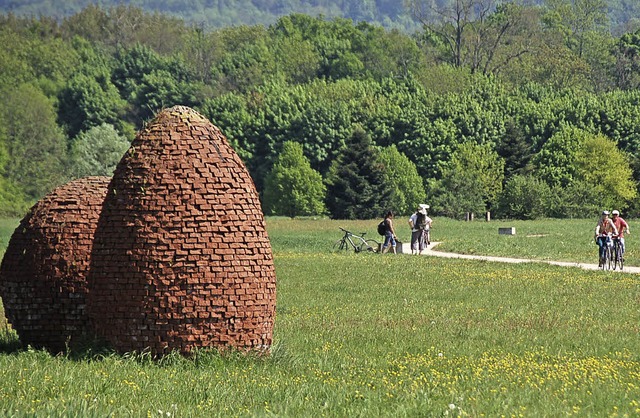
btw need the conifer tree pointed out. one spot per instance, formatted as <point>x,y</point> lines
<point>516,151</point>
<point>355,183</point>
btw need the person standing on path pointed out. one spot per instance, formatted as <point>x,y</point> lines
<point>420,225</point>
<point>390,238</point>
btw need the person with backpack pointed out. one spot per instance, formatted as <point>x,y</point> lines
<point>390,238</point>
<point>420,225</point>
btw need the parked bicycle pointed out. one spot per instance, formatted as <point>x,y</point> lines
<point>356,242</point>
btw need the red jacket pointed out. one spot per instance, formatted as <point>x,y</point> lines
<point>620,225</point>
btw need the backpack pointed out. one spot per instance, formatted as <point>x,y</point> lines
<point>382,227</point>
<point>421,221</point>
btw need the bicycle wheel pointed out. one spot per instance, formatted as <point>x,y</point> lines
<point>370,245</point>
<point>609,257</point>
<point>604,259</point>
<point>620,256</point>
<point>340,246</point>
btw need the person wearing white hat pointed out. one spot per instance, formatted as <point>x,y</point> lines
<point>622,226</point>
<point>420,225</point>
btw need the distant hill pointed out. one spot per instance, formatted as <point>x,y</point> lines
<point>624,15</point>
<point>221,13</point>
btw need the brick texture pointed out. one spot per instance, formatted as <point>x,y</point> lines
<point>44,270</point>
<point>181,257</point>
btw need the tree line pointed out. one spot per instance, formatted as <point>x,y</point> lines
<point>391,14</point>
<point>514,109</point>
<point>223,13</point>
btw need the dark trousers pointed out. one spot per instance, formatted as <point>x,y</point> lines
<point>603,241</point>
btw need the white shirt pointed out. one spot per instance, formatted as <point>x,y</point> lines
<point>414,218</point>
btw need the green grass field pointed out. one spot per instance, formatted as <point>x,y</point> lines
<point>371,335</point>
<point>548,239</point>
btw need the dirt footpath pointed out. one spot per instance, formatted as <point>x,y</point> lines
<point>406,249</point>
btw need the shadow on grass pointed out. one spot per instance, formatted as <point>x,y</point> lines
<point>83,350</point>
<point>96,350</point>
<point>9,341</point>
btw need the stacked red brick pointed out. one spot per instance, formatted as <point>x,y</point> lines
<point>43,273</point>
<point>181,256</point>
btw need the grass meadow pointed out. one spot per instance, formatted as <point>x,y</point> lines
<point>369,335</point>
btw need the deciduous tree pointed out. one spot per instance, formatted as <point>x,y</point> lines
<point>97,151</point>
<point>293,188</point>
<point>601,165</point>
<point>628,61</point>
<point>555,163</point>
<point>408,188</point>
<point>574,159</point>
<point>456,194</point>
<point>36,146</point>
<point>484,163</point>
<point>524,197</point>
<point>450,22</point>
<point>90,99</point>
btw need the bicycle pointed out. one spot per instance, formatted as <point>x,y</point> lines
<point>361,244</point>
<point>606,261</point>
<point>618,254</point>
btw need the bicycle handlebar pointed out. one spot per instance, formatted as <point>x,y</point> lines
<point>616,236</point>
<point>362,234</point>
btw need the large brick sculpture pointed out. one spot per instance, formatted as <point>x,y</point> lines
<point>43,273</point>
<point>181,256</point>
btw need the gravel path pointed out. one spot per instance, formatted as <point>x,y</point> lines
<point>431,252</point>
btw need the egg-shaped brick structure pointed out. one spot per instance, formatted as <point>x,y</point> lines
<point>43,276</point>
<point>181,256</point>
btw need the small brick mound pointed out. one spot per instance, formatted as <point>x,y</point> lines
<point>181,256</point>
<point>43,273</point>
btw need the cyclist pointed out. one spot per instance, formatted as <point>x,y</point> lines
<point>604,230</point>
<point>621,226</point>
<point>389,234</point>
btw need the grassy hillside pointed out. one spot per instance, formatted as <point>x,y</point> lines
<point>547,239</point>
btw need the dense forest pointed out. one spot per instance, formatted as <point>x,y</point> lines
<point>524,110</point>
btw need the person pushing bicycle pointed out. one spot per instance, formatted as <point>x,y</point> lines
<point>603,233</point>
<point>420,225</point>
<point>622,226</point>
